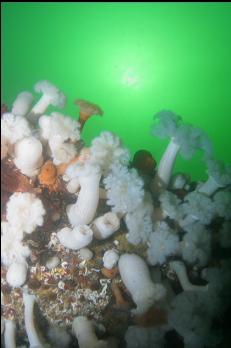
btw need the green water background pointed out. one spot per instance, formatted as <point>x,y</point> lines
<point>133,59</point>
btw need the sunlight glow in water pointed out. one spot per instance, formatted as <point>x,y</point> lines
<point>130,78</point>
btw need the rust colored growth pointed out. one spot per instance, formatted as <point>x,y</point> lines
<point>34,255</point>
<point>83,281</point>
<point>51,209</point>
<point>6,290</point>
<point>33,283</point>
<point>3,109</point>
<point>71,299</point>
<point>4,199</point>
<point>70,284</point>
<point>74,262</point>
<point>12,180</point>
<point>153,317</point>
<point>9,312</point>
<point>121,303</point>
<point>3,272</point>
<point>110,273</point>
<point>87,109</point>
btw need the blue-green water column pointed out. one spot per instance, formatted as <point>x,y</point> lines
<point>133,59</point>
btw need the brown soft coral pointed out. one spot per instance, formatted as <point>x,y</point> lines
<point>12,180</point>
<point>48,177</point>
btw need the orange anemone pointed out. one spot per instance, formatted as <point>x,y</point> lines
<point>86,110</point>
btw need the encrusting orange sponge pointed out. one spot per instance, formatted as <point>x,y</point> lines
<point>48,176</point>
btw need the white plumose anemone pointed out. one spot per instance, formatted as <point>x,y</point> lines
<point>12,249</point>
<point>59,125</point>
<point>163,242</point>
<point>51,95</point>
<point>25,211</point>
<point>107,150</point>
<point>124,189</point>
<point>14,128</point>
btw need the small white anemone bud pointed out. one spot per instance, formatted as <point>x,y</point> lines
<point>110,258</point>
<point>85,254</point>
<point>16,274</point>
<point>84,330</point>
<point>22,104</point>
<point>25,212</point>
<point>180,269</point>
<point>104,226</point>
<point>76,238</point>
<point>14,128</point>
<point>28,156</point>
<point>136,277</point>
<point>52,262</point>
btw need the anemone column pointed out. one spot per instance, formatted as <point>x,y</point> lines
<point>165,167</point>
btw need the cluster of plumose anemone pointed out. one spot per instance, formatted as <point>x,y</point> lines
<point>172,217</point>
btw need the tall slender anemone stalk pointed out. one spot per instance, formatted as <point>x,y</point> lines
<point>185,139</point>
